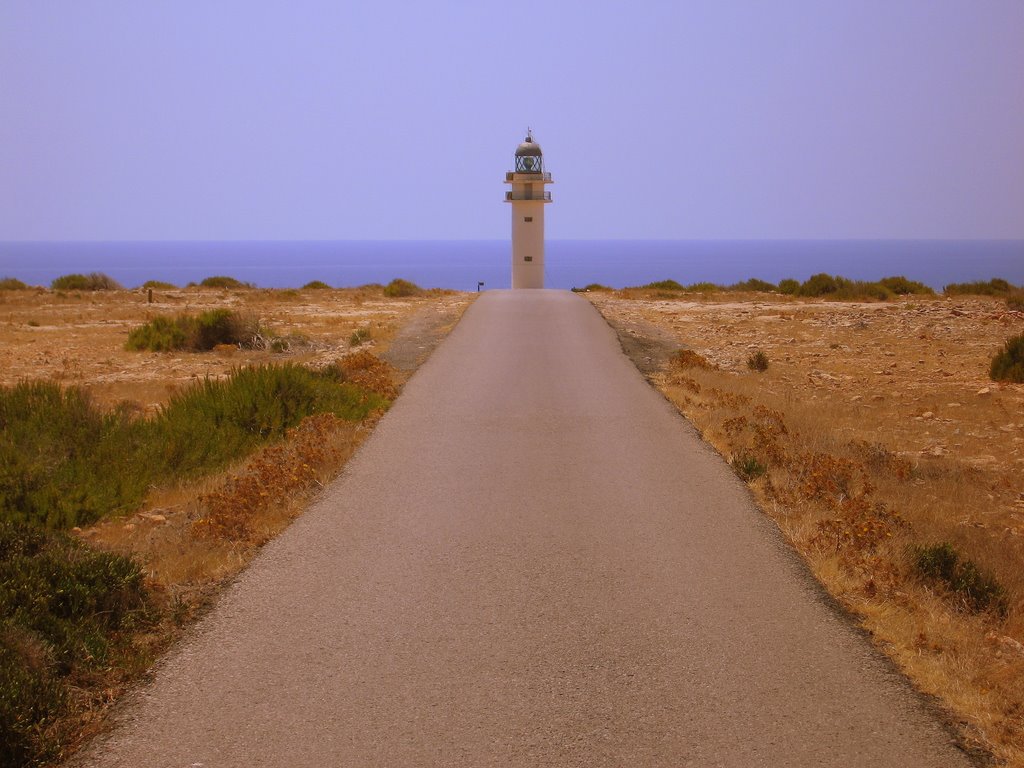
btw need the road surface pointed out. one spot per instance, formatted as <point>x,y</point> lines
<point>534,561</point>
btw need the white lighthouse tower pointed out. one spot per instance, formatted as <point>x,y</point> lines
<point>528,199</point>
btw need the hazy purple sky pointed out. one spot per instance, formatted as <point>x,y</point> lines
<point>336,120</point>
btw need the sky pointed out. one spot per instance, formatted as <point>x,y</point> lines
<point>228,120</point>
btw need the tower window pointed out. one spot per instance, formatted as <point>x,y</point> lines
<point>527,218</point>
<point>527,258</point>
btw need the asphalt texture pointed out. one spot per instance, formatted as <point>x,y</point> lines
<point>534,561</point>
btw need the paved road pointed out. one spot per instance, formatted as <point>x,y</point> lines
<point>533,562</point>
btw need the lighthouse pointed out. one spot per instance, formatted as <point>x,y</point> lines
<point>528,199</point>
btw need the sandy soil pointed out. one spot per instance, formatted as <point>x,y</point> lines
<point>911,374</point>
<point>79,337</point>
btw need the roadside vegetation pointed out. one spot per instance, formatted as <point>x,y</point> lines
<point>316,285</point>
<point>94,281</point>
<point>78,621</point>
<point>159,285</point>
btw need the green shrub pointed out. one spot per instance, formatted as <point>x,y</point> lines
<point>359,336</point>
<point>399,288</point>
<point>758,361</point>
<point>754,285</point>
<point>318,285</point>
<point>747,466</point>
<point>94,281</point>
<point>994,287</point>
<point>12,284</point>
<point>789,286</point>
<point>161,334</point>
<point>841,288</point>
<point>1008,363</point>
<point>195,333</point>
<point>159,285</point>
<point>63,607</point>
<point>663,285</point>
<point>703,287</point>
<point>976,590</point>
<point>901,286</point>
<point>592,287</point>
<point>223,281</point>
<point>64,462</point>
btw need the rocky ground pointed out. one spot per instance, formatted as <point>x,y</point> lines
<point>912,373</point>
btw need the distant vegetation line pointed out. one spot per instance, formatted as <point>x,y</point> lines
<point>824,285</point>
<point>98,281</point>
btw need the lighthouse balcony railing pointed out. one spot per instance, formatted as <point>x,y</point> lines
<point>545,176</point>
<point>510,196</point>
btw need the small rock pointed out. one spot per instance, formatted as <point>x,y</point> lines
<point>984,391</point>
<point>927,415</point>
<point>129,526</point>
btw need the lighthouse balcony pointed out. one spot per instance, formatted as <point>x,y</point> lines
<point>522,175</point>
<point>527,195</point>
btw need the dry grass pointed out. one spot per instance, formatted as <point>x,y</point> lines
<point>192,538</point>
<point>879,432</point>
<point>79,337</point>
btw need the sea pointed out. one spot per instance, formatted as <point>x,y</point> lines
<point>467,264</point>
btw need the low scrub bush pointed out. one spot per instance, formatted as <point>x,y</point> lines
<point>317,285</point>
<point>687,358</point>
<point>399,288</point>
<point>758,361</point>
<point>64,609</point>
<point>828,286</point>
<point>592,287</point>
<point>194,333</point>
<point>1008,363</point>
<point>975,590</point>
<point>223,281</point>
<point>789,286</point>
<point>11,284</point>
<point>754,285</point>
<point>1015,301</point>
<point>901,286</point>
<point>366,370</point>
<point>747,466</point>
<point>64,462</point>
<point>159,285</point>
<point>994,287</point>
<point>702,287</point>
<point>94,281</point>
<point>663,285</point>
<point>359,336</point>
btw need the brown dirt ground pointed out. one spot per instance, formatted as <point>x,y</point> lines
<point>78,338</point>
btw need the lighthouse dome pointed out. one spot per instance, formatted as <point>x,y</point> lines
<point>529,158</point>
<point>529,148</point>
